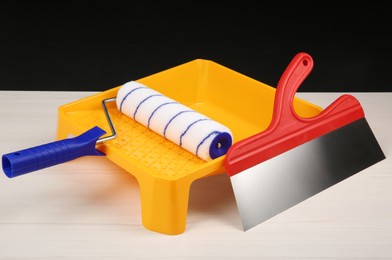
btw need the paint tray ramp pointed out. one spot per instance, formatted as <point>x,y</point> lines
<point>164,170</point>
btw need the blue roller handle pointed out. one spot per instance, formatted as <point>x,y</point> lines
<point>46,155</point>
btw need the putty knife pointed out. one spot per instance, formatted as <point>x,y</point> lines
<point>296,158</point>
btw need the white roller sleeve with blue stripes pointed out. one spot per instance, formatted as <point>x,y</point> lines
<point>193,131</point>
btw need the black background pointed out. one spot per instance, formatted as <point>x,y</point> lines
<point>98,47</point>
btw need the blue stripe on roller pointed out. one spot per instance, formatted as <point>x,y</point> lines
<point>171,119</point>
<point>126,96</point>
<point>141,102</point>
<point>155,110</point>
<point>189,126</point>
<point>202,141</point>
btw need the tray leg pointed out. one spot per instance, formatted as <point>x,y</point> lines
<point>164,204</point>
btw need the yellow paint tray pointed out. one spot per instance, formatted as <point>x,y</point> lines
<point>164,170</point>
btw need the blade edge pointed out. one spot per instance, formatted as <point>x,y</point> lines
<point>279,183</point>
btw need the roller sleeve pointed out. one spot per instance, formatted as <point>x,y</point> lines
<point>193,131</point>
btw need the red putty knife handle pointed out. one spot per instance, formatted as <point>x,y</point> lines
<point>42,156</point>
<point>288,130</point>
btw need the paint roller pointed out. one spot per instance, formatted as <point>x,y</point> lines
<point>191,130</point>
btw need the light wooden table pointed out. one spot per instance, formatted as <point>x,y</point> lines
<point>89,208</point>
